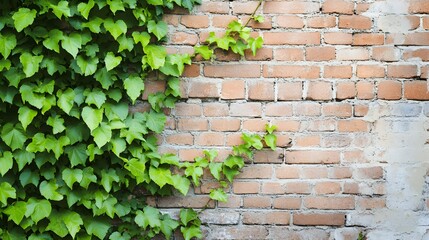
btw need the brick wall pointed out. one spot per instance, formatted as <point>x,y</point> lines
<point>345,81</point>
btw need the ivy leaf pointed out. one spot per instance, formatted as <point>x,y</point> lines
<point>49,190</point>
<point>155,55</point>
<point>115,28</point>
<point>215,169</point>
<point>170,159</point>
<point>70,176</point>
<point>66,99</point>
<point>259,18</point>
<point>137,169</point>
<point>16,211</point>
<point>187,215</point>
<point>191,232</point>
<point>173,86</point>
<point>52,41</point>
<point>230,173</point>
<point>168,225</point>
<point>88,177</point>
<point>5,64</point>
<point>61,9</point>
<point>6,191</point>
<point>94,24</point>
<point>6,162</point>
<point>181,183</point>
<point>271,141</point>
<point>102,134</point>
<point>57,124</point>
<point>73,221</point>
<point>195,172</point>
<point>141,37</point>
<point>13,136</point>
<point>159,29</point>
<point>7,44</point>
<point>112,61</point>
<point>148,217</point>
<point>23,18</point>
<point>211,154</point>
<point>118,146</point>
<point>219,195</point>
<point>134,85</point>
<point>234,161</point>
<point>270,128</point>
<point>253,140</point>
<point>160,176</point>
<point>28,177</point>
<point>125,43</point>
<point>87,66</point>
<point>255,44</point>
<point>22,158</point>
<point>43,209</point>
<point>108,177</point>
<point>77,154</point>
<point>30,63</point>
<point>72,43</point>
<point>204,51</point>
<point>155,2</point>
<point>85,8</point>
<point>92,117</point>
<point>96,97</point>
<point>116,5</point>
<point>57,225</point>
<point>239,47</point>
<point>155,121</point>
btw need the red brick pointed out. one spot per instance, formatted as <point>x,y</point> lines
<point>194,21</point>
<point>187,109</point>
<point>180,139</point>
<point>291,7</point>
<point>266,217</point>
<point>339,71</point>
<point>338,38</point>
<point>355,125</point>
<point>361,110</point>
<point>410,39</point>
<point>307,141</point>
<point>286,125</point>
<point>388,54</point>
<point>426,23</point>
<point>241,70</point>
<point>257,202</point>
<point>272,188</point>
<point>225,124</point>
<point>355,53</point>
<point>210,139</point>
<point>291,21</point>
<point>184,38</point>
<point>289,54</point>
<point>192,70</point>
<point>402,71</point>
<point>215,109</point>
<point>254,125</point>
<point>171,19</point>
<point>340,172</point>
<point>390,90</point>
<point>321,22</point>
<point>268,156</point>
<point>319,219</point>
<point>371,203</point>
<point>222,21</point>
<point>327,187</point>
<point>308,109</point>
<point>287,203</point>
<point>355,22</point>
<point>233,89</point>
<point>243,7</point>
<point>278,109</point>
<point>213,7</point>
<point>337,109</point>
<point>153,87</point>
<point>314,172</point>
<point>346,90</point>
<point>207,89</point>
<point>338,6</point>
<point>419,54</point>
<point>193,124</point>
<point>261,90</point>
<point>419,6</point>
<point>312,156</point>
<point>298,187</point>
<point>263,54</point>
<point>288,172</point>
<point>252,109</point>
<point>266,24</point>
<point>336,203</point>
<point>291,38</point>
<point>238,232</point>
<point>320,53</point>
<point>245,187</point>
<point>416,90</point>
<point>289,91</point>
<point>319,90</point>
<point>365,90</point>
<point>291,71</point>
<point>369,173</point>
<point>365,39</point>
<point>370,71</point>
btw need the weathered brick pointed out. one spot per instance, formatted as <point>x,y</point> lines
<point>319,219</point>
<point>312,156</point>
<point>256,202</point>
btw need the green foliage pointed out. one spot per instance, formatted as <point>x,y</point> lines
<point>74,160</point>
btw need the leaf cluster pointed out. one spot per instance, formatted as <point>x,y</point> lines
<point>75,162</point>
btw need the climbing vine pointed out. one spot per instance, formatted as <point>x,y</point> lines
<point>75,162</point>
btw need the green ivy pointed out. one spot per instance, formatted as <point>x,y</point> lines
<point>75,161</point>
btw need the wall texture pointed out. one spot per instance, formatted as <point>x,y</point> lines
<point>345,81</point>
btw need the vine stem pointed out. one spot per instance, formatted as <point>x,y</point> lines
<point>254,12</point>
